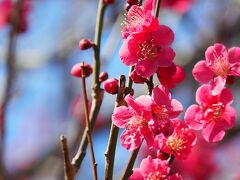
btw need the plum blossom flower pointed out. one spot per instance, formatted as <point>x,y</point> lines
<point>219,64</point>
<point>170,76</point>
<point>153,169</point>
<point>148,50</point>
<point>213,114</point>
<point>179,143</point>
<point>5,9</point>
<point>136,119</point>
<point>180,6</point>
<point>164,108</point>
<point>139,20</point>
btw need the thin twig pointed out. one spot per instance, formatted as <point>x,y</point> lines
<point>97,92</point>
<point>89,132</point>
<point>128,171</point>
<point>69,172</point>
<point>157,8</point>
<point>112,143</point>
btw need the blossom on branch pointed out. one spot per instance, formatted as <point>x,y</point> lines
<point>213,114</point>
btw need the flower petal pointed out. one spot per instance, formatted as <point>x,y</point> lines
<point>121,116</point>
<point>177,108</point>
<point>202,73</point>
<point>229,117</point>
<point>137,175</point>
<point>215,51</point>
<point>218,84</point>
<point>165,57</point>
<point>161,96</point>
<point>234,55</point>
<point>145,101</point>
<point>203,95</point>
<point>226,96</point>
<point>213,132</point>
<point>193,117</point>
<point>164,36</point>
<point>146,68</point>
<point>130,139</point>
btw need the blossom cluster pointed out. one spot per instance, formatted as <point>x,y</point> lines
<point>152,118</point>
<point>214,114</point>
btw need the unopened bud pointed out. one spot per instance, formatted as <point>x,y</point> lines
<point>136,78</point>
<point>80,69</point>
<point>103,76</point>
<point>85,44</point>
<point>111,86</point>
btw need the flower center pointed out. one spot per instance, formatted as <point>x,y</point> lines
<point>220,65</point>
<point>157,175</point>
<point>161,112</point>
<point>175,143</point>
<point>136,122</point>
<point>148,50</point>
<point>215,112</point>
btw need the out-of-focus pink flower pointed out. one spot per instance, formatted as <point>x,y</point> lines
<point>136,119</point>
<point>5,9</point>
<point>213,115</point>
<point>219,63</point>
<point>148,50</point>
<point>179,143</point>
<point>139,20</point>
<point>170,76</point>
<point>164,108</point>
<point>180,6</point>
<point>151,169</point>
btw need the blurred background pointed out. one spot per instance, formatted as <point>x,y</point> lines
<point>46,100</point>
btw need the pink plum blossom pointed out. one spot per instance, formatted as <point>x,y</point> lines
<point>148,50</point>
<point>170,76</point>
<point>164,108</point>
<point>139,20</point>
<point>5,9</point>
<point>219,64</point>
<point>213,114</point>
<point>153,169</point>
<point>180,6</point>
<point>179,143</point>
<point>136,119</point>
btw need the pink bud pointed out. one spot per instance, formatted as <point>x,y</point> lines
<point>103,76</point>
<point>136,78</point>
<point>81,68</point>
<point>108,1</point>
<point>85,44</point>
<point>111,86</point>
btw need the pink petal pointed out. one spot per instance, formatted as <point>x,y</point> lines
<point>130,140</point>
<point>234,55</point>
<point>121,116</point>
<point>161,96</point>
<point>226,96</point>
<point>229,117</point>
<point>147,165</point>
<point>145,68</point>
<point>218,84</point>
<point>235,70</point>
<point>164,36</point>
<point>148,136</point>
<point>177,108</point>
<point>202,73</point>
<point>137,175</point>
<point>165,57</point>
<point>203,95</point>
<point>145,101</point>
<point>213,133</point>
<point>193,117</point>
<point>215,51</point>
<point>175,176</point>
<point>129,100</point>
<point>148,4</point>
<point>126,54</point>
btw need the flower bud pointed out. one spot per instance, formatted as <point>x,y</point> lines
<point>81,68</point>
<point>85,44</point>
<point>111,86</point>
<point>108,1</point>
<point>136,78</point>
<point>103,76</point>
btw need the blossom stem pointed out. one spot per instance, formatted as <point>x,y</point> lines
<point>111,148</point>
<point>157,8</point>
<point>97,92</point>
<point>89,132</point>
<point>128,171</point>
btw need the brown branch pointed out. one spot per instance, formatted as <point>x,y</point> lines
<point>88,129</point>
<point>69,172</point>
<point>97,92</point>
<point>112,143</point>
